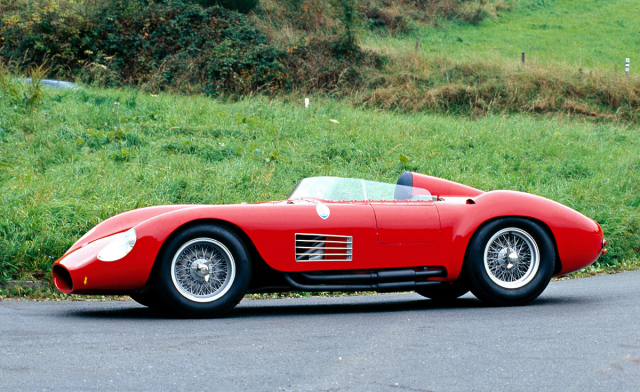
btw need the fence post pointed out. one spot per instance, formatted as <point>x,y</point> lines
<point>417,44</point>
<point>523,58</point>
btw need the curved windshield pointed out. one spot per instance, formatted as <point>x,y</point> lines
<point>352,189</point>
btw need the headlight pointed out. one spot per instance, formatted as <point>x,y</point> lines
<point>120,245</point>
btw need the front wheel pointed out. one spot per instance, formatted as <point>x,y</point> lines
<point>203,272</point>
<point>445,291</point>
<point>509,261</point>
<point>150,300</point>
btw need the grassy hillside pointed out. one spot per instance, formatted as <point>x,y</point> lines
<point>364,50</point>
<point>82,156</point>
<point>588,34</point>
<point>575,62</point>
<point>69,159</point>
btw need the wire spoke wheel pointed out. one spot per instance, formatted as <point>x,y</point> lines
<point>511,258</point>
<point>203,270</point>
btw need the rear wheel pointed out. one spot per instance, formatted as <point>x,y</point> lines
<point>509,261</point>
<point>204,272</point>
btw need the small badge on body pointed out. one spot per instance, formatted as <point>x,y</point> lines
<point>323,211</point>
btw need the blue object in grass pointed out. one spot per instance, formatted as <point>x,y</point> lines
<point>51,83</point>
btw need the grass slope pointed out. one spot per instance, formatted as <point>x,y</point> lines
<point>88,154</point>
<point>575,53</point>
<point>592,34</point>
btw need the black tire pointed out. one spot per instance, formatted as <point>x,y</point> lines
<point>150,300</point>
<point>510,245</point>
<point>202,252</point>
<point>445,292</point>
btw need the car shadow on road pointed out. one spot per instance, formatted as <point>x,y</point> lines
<point>316,306</point>
<point>401,305</point>
<point>276,307</point>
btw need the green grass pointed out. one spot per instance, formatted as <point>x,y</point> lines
<point>575,63</point>
<point>79,158</point>
<point>591,34</point>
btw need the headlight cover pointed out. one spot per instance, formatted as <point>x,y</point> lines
<point>120,245</point>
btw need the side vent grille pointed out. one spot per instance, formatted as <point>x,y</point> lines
<point>322,247</point>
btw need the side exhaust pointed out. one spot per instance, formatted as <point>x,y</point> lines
<point>393,280</point>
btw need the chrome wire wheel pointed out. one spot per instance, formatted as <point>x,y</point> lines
<point>511,258</point>
<point>203,270</point>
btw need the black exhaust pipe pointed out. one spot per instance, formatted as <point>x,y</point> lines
<point>346,286</point>
<point>380,276</point>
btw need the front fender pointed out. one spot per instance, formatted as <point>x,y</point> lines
<point>122,222</point>
<point>154,232</point>
<point>88,275</point>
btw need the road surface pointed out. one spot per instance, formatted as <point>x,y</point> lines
<point>580,335</point>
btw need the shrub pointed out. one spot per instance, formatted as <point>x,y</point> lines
<point>183,46</point>
<point>351,15</point>
<point>307,15</point>
<point>391,19</point>
<point>243,6</point>
<point>137,42</point>
<point>399,16</point>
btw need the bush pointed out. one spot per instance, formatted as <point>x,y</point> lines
<point>183,46</point>
<point>329,65</point>
<point>307,15</point>
<point>166,43</point>
<point>399,17</point>
<point>351,15</point>
<point>243,6</point>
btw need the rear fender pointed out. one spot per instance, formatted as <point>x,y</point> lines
<point>544,226</point>
<point>578,239</point>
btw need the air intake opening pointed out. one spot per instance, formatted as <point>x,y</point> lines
<point>323,247</point>
<point>62,278</point>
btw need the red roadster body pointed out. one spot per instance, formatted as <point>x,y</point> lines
<point>427,234</point>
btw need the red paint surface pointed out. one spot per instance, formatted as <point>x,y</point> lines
<point>406,234</point>
<point>441,187</point>
<point>402,222</point>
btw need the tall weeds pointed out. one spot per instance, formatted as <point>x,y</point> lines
<point>23,94</point>
<point>415,83</point>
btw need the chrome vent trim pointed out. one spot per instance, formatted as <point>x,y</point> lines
<point>323,247</point>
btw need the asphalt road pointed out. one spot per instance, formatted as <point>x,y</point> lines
<point>580,335</point>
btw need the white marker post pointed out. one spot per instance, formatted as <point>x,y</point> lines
<point>306,102</point>
<point>626,66</point>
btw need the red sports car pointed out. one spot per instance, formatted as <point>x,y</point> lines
<point>437,237</point>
